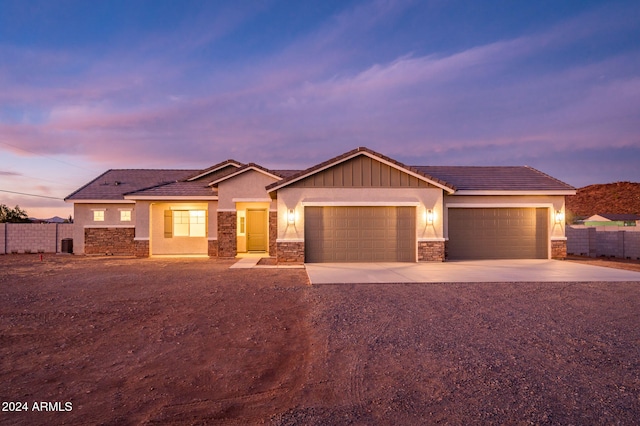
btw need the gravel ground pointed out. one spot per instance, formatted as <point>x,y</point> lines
<point>497,353</point>
<point>151,341</point>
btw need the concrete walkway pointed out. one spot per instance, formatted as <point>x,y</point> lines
<point>539,270</point>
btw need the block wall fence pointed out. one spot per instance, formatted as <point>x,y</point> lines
<point>33,237</point>
<point>604,241</point>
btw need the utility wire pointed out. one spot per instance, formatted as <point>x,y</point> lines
<point>31,195</point>
<point>45,156</point>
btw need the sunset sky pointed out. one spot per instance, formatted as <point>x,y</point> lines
<point>90,85</point>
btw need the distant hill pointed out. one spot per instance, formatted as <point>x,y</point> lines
<point>618,197</point>
<point>55,219</point>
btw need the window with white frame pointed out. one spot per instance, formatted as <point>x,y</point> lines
<point>189,223</point>
<point>98,215</point>
<point>125,215</point>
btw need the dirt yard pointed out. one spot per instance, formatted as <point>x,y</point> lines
<point>190,341</point>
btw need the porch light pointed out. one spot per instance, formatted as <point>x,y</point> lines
<point>559,216</point>
<point>430,216</point>
<point>291,216</point>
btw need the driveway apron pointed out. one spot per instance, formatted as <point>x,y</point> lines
<point>520,270</point>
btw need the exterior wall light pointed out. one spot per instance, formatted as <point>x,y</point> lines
<point>430,216</point>
<point>291,216</point>
<point>559,216</point>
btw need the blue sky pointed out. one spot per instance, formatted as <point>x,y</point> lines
<point>88,86</point>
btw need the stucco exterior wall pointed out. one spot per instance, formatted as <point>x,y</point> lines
<point>245,187</point>
<point>159,245</point>
<point>552,202</point>
<point>83,218</point>
<point>422,198</point>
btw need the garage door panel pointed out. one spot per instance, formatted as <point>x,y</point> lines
<point>359,234</point>
<point>497,233</point>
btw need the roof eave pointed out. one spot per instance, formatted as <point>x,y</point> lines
<point>515,192</point>
<point>172,197</point>
<point>97,201</point>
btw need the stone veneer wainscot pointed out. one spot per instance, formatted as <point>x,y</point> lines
<point>109,241</point>
<point>430,251</point>
<point>558,249</point>
<point>290,252</point>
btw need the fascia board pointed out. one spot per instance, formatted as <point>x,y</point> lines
<point>515,192</point>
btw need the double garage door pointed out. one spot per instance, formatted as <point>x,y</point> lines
<point>360,234</point>
<point>498,233</point>
<point>388,234</point>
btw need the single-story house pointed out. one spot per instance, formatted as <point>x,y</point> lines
<point>360,206</point>
<point>610,219</point>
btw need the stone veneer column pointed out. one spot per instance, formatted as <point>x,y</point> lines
<point>141,248</point>
<point>558,249</point>
<point>227,244</point>
<point>290,252</point>
<point>212,248</point>
<point>431,251</point>
<point>273,232</point>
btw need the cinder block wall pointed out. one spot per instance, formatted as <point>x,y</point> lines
<point>610,243</point>
<point>33,237</point>
<point>577,241</point>
<point>604,241</point>
<point>3,240</point>
<point>632,245</point>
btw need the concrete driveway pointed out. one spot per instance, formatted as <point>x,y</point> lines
<point>521,270</point>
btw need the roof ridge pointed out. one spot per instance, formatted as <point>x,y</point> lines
<point>203,172</point>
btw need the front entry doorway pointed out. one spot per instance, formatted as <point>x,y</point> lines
<point>256,230</point>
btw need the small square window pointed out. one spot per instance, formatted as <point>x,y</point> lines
<point>98,215</point>
<point>125,215</point>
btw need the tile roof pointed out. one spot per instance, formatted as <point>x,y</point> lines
<point>219,166</point>
<point>285,173</point>
<point>252,166</point>
<point>114,183</point>
<point>198,188</point>
<point>496,178</point>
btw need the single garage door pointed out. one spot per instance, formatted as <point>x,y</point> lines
<point>360,234</point>
<point>497,233</point>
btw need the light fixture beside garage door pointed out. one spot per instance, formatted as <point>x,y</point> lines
<point>429,216</point>
<point>291,216</point>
